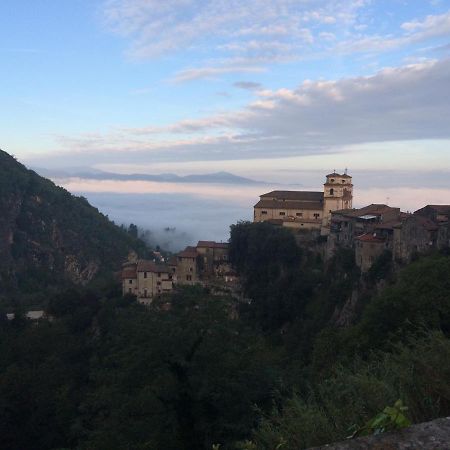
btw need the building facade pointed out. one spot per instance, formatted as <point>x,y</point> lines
<point>306,209</point>
<point>146,280</point>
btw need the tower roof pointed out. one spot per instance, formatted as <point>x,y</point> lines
<point>335,174</point>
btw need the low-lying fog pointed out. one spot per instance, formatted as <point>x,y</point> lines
<point>180,214</point>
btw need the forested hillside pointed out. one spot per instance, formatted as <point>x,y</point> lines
<point>49,238</point>
<point>199,371</point>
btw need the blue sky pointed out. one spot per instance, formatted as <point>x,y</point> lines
<point>186,86</point>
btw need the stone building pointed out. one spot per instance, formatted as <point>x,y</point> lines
<point>306,209</point>
<point>186,268</point>
<point>212,256</point>
<point>347,224</point>
<point>439,214</point>
<point>146,280</point>
<point>377,227</point>
<point>415,234</point>
<point>368,247</point>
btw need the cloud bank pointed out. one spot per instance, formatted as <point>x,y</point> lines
<point>317,117</point>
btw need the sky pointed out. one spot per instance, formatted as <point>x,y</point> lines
<point>277,90</point>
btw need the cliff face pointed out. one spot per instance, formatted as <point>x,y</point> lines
<point>48,236</point>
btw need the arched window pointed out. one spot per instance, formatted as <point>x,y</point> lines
<point>331,191</point>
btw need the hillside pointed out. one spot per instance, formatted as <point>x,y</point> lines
<point>48,237</point>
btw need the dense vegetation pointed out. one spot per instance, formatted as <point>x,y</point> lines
<point>271,372</point>
<point>50,238</point>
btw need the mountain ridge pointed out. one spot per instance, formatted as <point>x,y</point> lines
<point>49,237</point>
<point>221,177</point>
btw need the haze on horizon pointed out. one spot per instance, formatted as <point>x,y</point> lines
<point>280,91</point>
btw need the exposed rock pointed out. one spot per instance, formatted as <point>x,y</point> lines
<point>49,237</point>
<point>434,435</point>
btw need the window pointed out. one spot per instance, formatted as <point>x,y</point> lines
<point>145,274</point>
<point>191,269</point>
<point>130,281</point>
<point>188,277</point>
<point>145,293</point>
<point>331,191</point>
<point>158,283</point>
<point>159,274</point>
<point>299,214</point>
<point>316,215</point>
<point>343,181</point>
<point>263,212</point>
<point>332,180</point>
<point>130,290</point>
<point>282,213</point>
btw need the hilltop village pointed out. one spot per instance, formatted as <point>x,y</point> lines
<point>326,219</point>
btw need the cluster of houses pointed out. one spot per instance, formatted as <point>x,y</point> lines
<point>375,229</point>
<point>370,231</point>
<point>207,263</point>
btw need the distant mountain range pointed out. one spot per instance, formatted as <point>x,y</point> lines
<point>93,174</point>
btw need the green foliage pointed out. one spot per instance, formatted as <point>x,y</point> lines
<point>185,373</point>
<point>270,264</point>
<point>419,298</point>
<point>390,419</point>
<point>111,374</point>
<point>417,372</point>
<point>53,234</point>
<point>382,268</point>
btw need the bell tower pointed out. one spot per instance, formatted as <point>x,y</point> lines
<point>337,194</point>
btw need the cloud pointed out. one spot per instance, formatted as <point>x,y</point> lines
<point>271,31</point>
<point>248,36</point>
<point>247,85</point>
<point>213,72</point>
<point>413,32</point>
<point>317,117</point>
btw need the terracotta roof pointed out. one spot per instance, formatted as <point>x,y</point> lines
<point>373,209</point>
<point>129,273</point>
<point>370,237</point>
<point>188,252</point>
<point>149,266</point>
<point>278,204</point>
<point>303,196</point>
<point>212,244</point>
<point>440,209</point>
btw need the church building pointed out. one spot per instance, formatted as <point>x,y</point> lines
<point>306,209</point>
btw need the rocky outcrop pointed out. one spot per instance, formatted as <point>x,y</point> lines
<point>434,435</point>
<point>49,237</point>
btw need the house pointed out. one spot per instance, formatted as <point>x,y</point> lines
<point>347,224</point>
<point>368,248</point>
<point>212,256</point>
<point>306,209</point>
<point>439,214</point>
<point>415,234</point>
<point>146,280</point>
<point>186,268</point>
